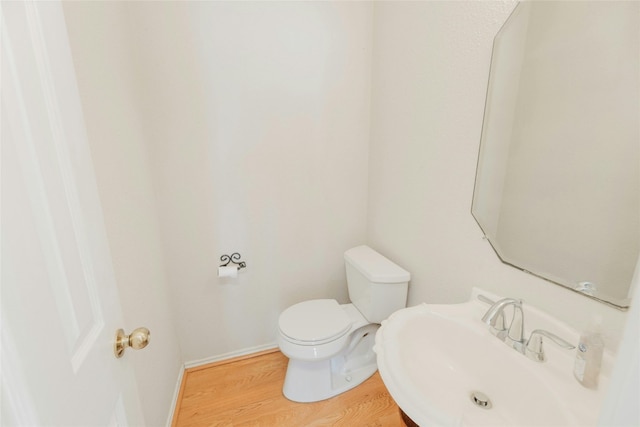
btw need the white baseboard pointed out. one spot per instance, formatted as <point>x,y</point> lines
<point>176,394</point>
<point>230,355</point>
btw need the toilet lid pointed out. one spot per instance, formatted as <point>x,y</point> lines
<point>314,321</point>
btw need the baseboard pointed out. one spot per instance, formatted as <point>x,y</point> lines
<point>231,355</point>
<point>176,397</point>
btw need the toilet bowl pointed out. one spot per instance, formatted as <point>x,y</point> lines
<point>316,329</point>
<point>330,345</point>
<point>320,337</point>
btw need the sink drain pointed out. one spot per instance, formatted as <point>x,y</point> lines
<point>480,399</point>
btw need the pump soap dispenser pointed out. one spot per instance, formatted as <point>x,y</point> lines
<point>589,355</point>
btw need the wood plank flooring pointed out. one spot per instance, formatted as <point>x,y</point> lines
<point>248,392</point>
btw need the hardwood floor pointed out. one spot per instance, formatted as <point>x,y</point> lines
<point>248,392</point>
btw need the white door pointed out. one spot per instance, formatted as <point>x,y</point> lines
<point>59,302</point>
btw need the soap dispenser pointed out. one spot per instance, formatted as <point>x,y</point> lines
<point>589,355</point>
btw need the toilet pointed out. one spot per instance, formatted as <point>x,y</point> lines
<point>330,345</point>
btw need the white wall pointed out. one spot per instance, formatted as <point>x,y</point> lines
<point>98,37</point>
<point>222,127</point>
<point>259,120</point>
<point>430,73</point>
<point>267,128</point>
<point>620,406</point>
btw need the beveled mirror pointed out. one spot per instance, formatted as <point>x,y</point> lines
<point>557,188</point>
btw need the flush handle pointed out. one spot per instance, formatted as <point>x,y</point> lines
<point>137,340</point>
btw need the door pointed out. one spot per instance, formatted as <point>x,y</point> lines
<point>59,302</point>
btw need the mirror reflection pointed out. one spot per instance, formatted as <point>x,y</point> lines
<point>557,188</point>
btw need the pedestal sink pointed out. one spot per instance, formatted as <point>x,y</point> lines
<point>443,367</point>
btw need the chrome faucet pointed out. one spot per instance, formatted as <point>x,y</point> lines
<point>513,336</point>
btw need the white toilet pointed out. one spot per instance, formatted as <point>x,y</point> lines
<point>330,346</point>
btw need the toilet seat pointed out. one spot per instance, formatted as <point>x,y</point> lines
<point>314,322</point>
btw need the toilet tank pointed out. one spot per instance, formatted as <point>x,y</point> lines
<point>377,286</point>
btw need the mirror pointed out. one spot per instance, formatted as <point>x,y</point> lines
<point>557,188</point>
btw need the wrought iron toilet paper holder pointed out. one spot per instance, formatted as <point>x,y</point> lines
<point>233,258</point>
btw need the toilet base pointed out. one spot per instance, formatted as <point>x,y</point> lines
<point>319,380</point>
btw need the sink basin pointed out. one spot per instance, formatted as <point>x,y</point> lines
<point>441,365</point>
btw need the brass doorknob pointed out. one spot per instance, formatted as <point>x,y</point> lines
<point>138,339</point>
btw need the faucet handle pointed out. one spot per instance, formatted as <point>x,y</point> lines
<point>534,348</point>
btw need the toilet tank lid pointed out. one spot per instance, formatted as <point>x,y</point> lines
<point>375,267</point>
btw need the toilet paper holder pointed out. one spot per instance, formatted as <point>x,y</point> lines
<point>233,258</point>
